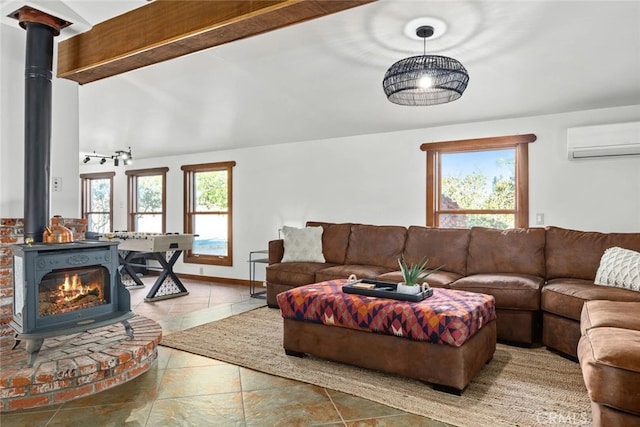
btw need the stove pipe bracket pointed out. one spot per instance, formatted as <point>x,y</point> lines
<point>57,10</point>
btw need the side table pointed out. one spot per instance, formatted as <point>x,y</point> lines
<point>253,260</point>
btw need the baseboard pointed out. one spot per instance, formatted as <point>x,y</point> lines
<point>225,280</point>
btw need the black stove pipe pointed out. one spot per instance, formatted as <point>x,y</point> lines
<point>37,128</point>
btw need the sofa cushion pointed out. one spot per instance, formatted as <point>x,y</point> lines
<point>294,273</point>
<point>624,240</point>
<point>344,271</point>
<point>616,314</point>
<point>376,245</point>
<point>448,247</point>
<point>511,291</point>
<point>438,279</point>
<point>519,250</point>
<point>565,297</point>
<point>335,239</point>
<point>575,254</point>
<point>610,364</point>
<point>619,267</point>
<point>302,244</point>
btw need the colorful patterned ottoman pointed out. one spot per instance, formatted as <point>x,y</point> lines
<point>443,340</point>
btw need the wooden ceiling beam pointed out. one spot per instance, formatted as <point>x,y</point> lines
<point>167,29</point>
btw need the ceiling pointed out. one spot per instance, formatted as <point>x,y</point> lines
<point>323,78</point>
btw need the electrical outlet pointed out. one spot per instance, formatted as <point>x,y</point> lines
<point>56,184</point>
<point>201,271</point>
<point>539,219</point>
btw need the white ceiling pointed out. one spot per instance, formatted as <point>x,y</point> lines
<point>323,78</point>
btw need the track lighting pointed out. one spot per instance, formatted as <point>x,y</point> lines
<point>126,157</point>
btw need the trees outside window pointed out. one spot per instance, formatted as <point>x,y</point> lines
<point>97,201</point>
<point>479,182</point>
<point>208,212</point>
<point>147,200</point>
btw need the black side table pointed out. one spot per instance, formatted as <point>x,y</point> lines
<point>253,260</point>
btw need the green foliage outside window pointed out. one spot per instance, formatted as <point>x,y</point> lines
<point>150,193</point>
<point>100,197</point>
<point>477,190</point>
<point>100,194</point>
<point>211,191</point>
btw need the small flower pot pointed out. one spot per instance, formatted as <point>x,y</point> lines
<point>408,289</point>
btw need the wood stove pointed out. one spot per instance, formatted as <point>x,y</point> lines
<point>66,288</point>
<point>59,288</point>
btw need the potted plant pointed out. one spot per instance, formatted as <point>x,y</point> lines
<point>413,276</point>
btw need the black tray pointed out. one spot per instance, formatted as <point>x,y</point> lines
<point>384,290</point>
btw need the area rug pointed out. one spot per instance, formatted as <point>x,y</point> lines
<point>519,387</point>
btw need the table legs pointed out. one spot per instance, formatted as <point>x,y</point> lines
<point>167,285</point>
<point>127,267</point>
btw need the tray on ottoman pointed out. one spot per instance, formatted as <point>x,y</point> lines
<point>373,288</point>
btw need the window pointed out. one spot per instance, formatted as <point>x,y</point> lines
<point>478,182</point>
<point>97,201</point>
<point>208,212</point>
<point>147,200</point>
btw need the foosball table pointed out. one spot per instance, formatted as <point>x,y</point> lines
<point>164,248</point>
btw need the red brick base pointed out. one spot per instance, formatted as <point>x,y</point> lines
<point>73,366</point>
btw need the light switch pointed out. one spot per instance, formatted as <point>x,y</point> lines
<point>539,219</point>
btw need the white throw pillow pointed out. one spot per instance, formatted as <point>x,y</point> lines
<point>619,267</point>
<point>302,244</point>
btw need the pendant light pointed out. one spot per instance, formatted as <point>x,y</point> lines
<point>425,79</point>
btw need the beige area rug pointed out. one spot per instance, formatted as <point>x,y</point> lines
<point>519,387</point>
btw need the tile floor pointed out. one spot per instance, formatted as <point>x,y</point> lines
<point>183,389</point>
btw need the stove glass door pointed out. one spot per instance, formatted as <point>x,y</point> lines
<point>72,289</point>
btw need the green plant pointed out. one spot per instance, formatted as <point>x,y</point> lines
<point>415,274</point>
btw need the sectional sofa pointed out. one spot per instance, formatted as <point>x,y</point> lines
<point>610,361</point>
<point>540,277</point>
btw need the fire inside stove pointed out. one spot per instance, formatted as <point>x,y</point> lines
<point>63,291</point>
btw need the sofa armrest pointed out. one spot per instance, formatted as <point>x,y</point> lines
<point>276,251</point>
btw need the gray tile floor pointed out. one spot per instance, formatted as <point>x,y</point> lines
<point>183,389</point>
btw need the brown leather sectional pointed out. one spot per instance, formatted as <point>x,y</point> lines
<point>609,353</point>
<point>540,277</point>
<point>572,260</point>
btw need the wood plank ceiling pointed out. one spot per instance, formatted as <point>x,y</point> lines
<point>167,29</point>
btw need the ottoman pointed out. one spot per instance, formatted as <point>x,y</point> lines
<point>443,340</point>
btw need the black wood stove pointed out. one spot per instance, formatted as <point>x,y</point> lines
<point>66,288</point>
<point>59,288</point>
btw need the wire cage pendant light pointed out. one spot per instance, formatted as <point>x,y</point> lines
<point>425,79</point>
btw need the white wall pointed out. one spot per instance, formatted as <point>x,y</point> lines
<point>11,121</point>
<point>377,179</point>
<point>380,179</point>
<point>64,131</point>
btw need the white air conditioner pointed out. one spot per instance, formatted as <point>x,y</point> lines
<point>588,142</point>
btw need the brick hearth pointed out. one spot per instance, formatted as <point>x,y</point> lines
<point>73,366</point>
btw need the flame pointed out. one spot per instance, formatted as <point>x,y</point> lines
<point>72,288</point>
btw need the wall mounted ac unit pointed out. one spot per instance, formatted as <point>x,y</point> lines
<point>588,142</point>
